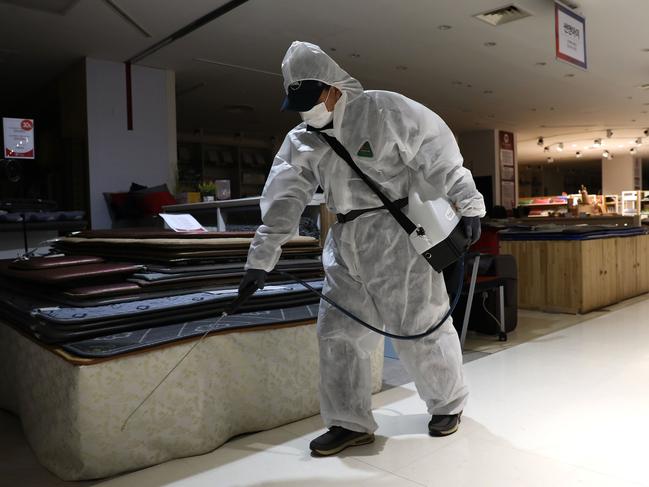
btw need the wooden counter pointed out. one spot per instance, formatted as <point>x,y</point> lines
<point>579,276</point>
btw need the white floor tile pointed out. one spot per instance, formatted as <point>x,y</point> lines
<point>471,462</point>
<point>271,458</point>
<point>567,409</point>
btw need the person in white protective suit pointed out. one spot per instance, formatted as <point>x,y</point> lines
<point>371,267</point>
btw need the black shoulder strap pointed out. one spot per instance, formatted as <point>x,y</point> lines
<point>343,153</point>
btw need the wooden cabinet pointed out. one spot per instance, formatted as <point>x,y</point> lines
<point>598,274</point>
<point>531,282</point>
<point>642,263</point>
<point>562,263</point>
<point>579,276</point>
<point>627,267</point>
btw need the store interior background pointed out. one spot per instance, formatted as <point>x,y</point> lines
<point>206,106</point>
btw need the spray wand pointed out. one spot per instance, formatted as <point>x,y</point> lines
<point>232,308</point>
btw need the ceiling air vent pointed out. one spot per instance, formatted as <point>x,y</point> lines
<point>503,15</point>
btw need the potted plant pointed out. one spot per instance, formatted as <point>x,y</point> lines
<point>207,189</point>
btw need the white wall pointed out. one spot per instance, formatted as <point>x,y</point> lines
<point>117,156</point>
<point>617,174</point>
<point>479,151</point>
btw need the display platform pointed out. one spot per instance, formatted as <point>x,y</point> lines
<point>578,275</point>
<point>84,339</point>
<point>238,381</point>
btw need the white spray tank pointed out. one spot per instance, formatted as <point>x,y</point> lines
<point>439,237</point>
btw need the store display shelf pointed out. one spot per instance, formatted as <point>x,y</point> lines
<point>533,205</point>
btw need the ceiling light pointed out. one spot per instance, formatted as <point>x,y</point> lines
<point>560,147</point>
<point>633,150</point>
<point>541,63</point>
<point>609,133</point>
<point>646,132</point>
<point>606,154</point>
<point>620,146</point>
<point>546,149</point>
<point>444,27</point>
<point>503,15</point>
<point>540,141</point>
<point>550,159</point>
<point>355,55</point>
<point>401,67</point>
<point>638,141</point>
<point>597,142</point>
<point>489,44</point>
<point>574,145</point>
<point>487,92</point>
<point>456,82</point>
<point>570,75</point>
<point>578,154</point>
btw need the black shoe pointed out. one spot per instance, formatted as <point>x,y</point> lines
<point>444,424</point>
<point>337,439</point>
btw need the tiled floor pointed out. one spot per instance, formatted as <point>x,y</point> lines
<point>564,403</point>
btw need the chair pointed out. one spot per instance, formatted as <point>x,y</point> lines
<point>484,273</point>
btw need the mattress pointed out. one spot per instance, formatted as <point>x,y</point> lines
<point>125,342</point>
<point>73,411</point>
<point>577,232</point>
<point>53,323</point>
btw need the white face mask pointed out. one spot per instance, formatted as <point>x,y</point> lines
<point>318,116</point>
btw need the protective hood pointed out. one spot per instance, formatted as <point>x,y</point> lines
<point>304,60</point>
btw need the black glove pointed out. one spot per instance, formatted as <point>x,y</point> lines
<point>256,276</point>
<point>472,228</point>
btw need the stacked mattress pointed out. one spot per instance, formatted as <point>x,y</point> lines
<point>109,292</point>
<point>569,232</point>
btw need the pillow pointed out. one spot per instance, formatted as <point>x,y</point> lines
<point>152,203</point>
<point>136,187</point>
<point>152,189</point>
<point>121,205</point>
<point>143,202</point>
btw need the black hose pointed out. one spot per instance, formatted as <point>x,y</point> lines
<point>432,329</point>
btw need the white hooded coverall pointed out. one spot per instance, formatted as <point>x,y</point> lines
<point>371,267</point>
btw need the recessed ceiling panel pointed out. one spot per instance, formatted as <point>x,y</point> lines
<point>50,6</point>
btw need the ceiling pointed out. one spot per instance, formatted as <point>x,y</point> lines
<point>385,44</point>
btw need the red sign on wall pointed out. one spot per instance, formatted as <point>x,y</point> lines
<point>18,138</point>
<point>507,169</point>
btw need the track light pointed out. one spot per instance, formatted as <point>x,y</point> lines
<point>560,146</point>
<point>646,132</point>
<point>609,133</point>
<point>546,149</point>
<point>597,142</point>
<point>633,150</point>
<point>606,154</point>
<point>638,141</point>
<point>578,154</point>
<point>550,159</point>
<point>540,142</point>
